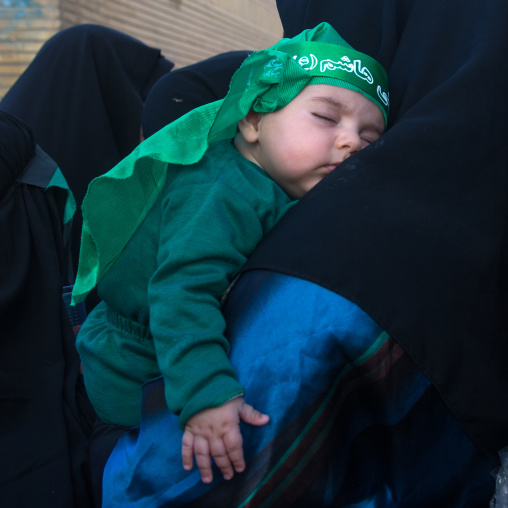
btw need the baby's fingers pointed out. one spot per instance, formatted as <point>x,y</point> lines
<point>203,460</point>
<point>252,416</point>
<point>187,450</point>
<point>221,458</point>
<point>234,448</point>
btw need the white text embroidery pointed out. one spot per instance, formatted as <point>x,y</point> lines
<point>310,62</point>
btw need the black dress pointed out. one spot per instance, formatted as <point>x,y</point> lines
<point>414,229</point>
<point>45,416</point>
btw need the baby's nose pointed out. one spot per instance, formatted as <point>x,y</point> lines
<point>348,140</point>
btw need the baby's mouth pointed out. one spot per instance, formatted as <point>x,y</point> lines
<point>331,167</point>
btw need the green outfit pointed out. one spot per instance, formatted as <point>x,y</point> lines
<point>160,312</point>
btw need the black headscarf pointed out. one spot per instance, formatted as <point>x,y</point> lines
<point>45,417</point>
<point>83,96</point>
<point>413,229</point>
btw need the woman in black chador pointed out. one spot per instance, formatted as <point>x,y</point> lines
<point>371,324</point>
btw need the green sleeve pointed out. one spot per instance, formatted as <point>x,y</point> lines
<point>207,232</point>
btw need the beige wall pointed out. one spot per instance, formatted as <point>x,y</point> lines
<point>185,30</point>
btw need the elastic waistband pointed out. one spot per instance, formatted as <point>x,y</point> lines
<point>127,325</point>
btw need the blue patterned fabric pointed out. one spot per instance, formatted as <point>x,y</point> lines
<point>353,422</point>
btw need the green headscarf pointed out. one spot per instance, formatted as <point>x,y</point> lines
<point>117,202</point>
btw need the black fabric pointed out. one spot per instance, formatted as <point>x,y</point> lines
<point>83,95</point>
<point>17,148</point>
<point>45,416</point>
<point>187,88</point>
<point>101,443</point>
<point>413,229</point>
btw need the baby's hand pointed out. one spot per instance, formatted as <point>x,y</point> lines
<point>216,432</point>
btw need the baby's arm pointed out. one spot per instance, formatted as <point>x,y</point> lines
<point>216,433</point>
<point>206,234</point>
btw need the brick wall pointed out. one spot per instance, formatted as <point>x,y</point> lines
<point>185,30</point>
<point>24,26</point>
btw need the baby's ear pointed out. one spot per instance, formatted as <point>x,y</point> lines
<point>249,126</point>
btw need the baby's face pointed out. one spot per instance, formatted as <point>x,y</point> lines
<point>320,128</point>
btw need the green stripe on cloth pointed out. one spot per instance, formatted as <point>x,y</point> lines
<point>283,485</point>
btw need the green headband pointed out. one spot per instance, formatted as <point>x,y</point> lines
<point>342,66</point>
<point>118,201</point>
